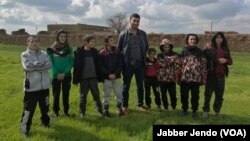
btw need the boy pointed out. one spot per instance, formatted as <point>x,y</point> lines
<point>193,74</point>
<point>36,65</point>
<point>167,61</point>
<point>151,79</point>
<point>111,67</point>
<point>85,72</point>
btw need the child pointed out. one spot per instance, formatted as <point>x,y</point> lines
<point>151,79</point>
<point>218,56</point>
<point>193,73</point>
<point>61,56</point>
<point>36,65</point>
<point>166,75</point>
<point>111,67</point>
<point>86,71</point>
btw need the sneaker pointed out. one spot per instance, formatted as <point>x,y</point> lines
<point>26,134</point>
<point>218,116</point>
<point>142,109</point>
<point>183,113</point>
<point>46,125</point>
<point>82,115</point>
<point>194,115</point>
<point>66,114</point>
<point>56,114</point>
<point>148,107</point>
<point>205,115</point>
<point>125,111</point>
<point>106,114</point>
<point>159,108</point>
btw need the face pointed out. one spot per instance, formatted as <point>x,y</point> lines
<point>90,44</point>
<point>62,38</point>
<point>111,42</point>
<point>134,23</point>
<point>151,54</point>
<point>166,48</point>
<point>218,40</point>
<point>33,44</point>
<point>192,40</point>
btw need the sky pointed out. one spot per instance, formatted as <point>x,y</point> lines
<point>157,16</point>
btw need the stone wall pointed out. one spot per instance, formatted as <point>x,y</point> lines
<point>237,42</point>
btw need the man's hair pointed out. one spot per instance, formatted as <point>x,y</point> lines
<point>87,38</point>
<point>134,15</point>
<point>107,37</point>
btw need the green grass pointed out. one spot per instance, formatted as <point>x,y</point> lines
<point>136,127</point>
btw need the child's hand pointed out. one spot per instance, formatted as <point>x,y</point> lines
<point>222,60</point>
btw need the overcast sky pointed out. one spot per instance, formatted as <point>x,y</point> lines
<point>158,16</point>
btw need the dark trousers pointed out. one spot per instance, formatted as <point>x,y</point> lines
<point>217,85</point>
<point>128,72</point>
<point>57,85</point>
<point>148,83</point>
<point>171,88</point>
<point>30,101</point>
<point>92,85</point>
<point>194,87</point>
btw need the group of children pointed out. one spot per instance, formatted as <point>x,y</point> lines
<point>191,68</point>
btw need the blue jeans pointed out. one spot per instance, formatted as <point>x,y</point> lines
<point>129,71</point>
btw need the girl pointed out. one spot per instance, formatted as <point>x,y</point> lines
<point>61,56</point>
<point>218,56</point>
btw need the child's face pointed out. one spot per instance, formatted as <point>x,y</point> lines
<point>90,44</point>
<point>192,40</point>
<point>166,48</point>
<point>151,55</point>
<point>62,38</point>
<point>111,42</point>
<point>33,44</point>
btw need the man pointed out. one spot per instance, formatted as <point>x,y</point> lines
<point>133,44</point>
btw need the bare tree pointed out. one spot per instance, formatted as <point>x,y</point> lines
<point>118,22</point>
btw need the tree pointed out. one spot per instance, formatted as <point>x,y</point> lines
<point>118,22</point>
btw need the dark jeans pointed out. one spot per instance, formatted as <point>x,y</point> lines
<point>171,88</point>
<point>148,83</point>
<point>57,85</point>
<point>128,72</point>
<point>217,85</point>
<point>92,85</point>
<point>194,87</point>
<point>30,101</point>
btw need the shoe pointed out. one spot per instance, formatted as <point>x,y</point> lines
<point>26,134</point>
<point>82,115</point>
<point>66,114</point>
<point>125,111</point>
<point>106,114</point>
<point>159,108</point>
<point>46,125</point>
<point>205,115</point>
<point>218,116</point>
<point>148,107</point>
<point>120,112</point>
<point>183,113</point>
<point>194,115</point>
<point>142,109</point>
<point>56,114</point>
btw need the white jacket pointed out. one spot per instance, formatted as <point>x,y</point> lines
<point>36,65</point>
